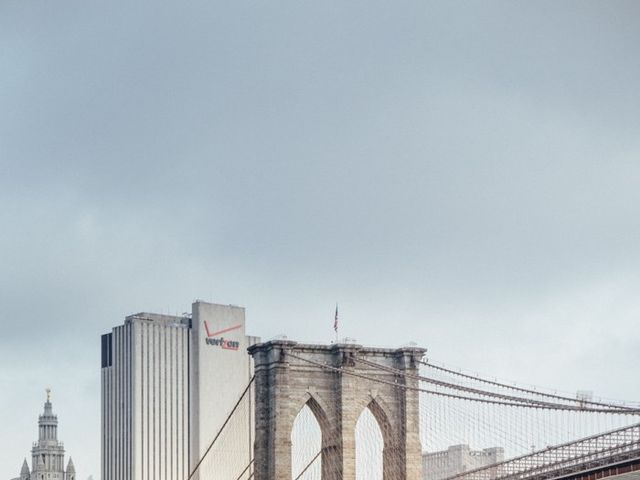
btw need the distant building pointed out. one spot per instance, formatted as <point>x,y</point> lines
<point>47,454</point>
<point>168,383</point>
<point>458,459</point>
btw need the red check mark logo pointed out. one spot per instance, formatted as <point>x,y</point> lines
<point>220,332</point>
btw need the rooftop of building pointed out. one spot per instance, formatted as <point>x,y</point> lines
<point>166,319</point>
<point>159,318</point>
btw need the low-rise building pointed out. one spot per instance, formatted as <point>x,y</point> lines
<point>458,459</point>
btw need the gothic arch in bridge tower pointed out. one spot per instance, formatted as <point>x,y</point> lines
<point>315,405</point>
<point>377,408</point>
<point>372,433</point>
<point>311,399</point>
<point>337,387</point>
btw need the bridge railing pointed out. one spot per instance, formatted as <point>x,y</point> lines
<point>591,452</point>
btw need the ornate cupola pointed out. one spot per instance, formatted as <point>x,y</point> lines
<point>47,453</point>
<point>48,424</point>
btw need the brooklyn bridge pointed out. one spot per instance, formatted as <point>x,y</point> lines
<point>347,412</point>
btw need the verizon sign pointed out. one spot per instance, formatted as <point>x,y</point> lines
<point>217,339</point>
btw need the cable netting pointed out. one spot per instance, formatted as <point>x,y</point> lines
<point>469,428</point>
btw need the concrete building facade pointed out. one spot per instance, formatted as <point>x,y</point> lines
<point>168,383</point>
<point>47,454</point>
<point>458,459</point>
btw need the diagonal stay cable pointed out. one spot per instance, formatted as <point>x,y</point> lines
<point>308,465</point>
<point>462,397</point>
<point>245,470</point>
<point>233,410</point>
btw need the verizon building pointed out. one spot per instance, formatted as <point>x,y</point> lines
<point>168,383</point>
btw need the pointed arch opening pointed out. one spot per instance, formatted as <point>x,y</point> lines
<point>372,438</point>
<point>307,441</point>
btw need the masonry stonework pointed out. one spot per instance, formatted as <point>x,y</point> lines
<point>337,387</point>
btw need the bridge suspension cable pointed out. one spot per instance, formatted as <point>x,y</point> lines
<point>499,420</point>
<point>601,449</point>
<point>508,401</point>
<point>479,379</point>
<point>601,407</point>
<point>512,423</point>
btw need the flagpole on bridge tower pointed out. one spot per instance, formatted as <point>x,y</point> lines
<point>335,323</point>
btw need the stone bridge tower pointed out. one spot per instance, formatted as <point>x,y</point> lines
<point>337,387</point>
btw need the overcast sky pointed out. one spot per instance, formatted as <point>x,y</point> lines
<point>464,175</point>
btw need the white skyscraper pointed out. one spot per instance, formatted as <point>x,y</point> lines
<point>168,383</point>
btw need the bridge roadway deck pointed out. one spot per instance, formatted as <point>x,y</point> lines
<point>623,466</point>
<point>627,476</point>
<point>628,469</point>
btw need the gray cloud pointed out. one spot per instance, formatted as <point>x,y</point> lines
<point>462,175</point>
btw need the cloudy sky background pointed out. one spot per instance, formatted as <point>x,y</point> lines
<point>463,175</point>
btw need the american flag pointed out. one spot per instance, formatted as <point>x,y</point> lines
<point>335,321</point>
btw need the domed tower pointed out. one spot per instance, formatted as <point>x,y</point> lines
<point>47,453</point>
